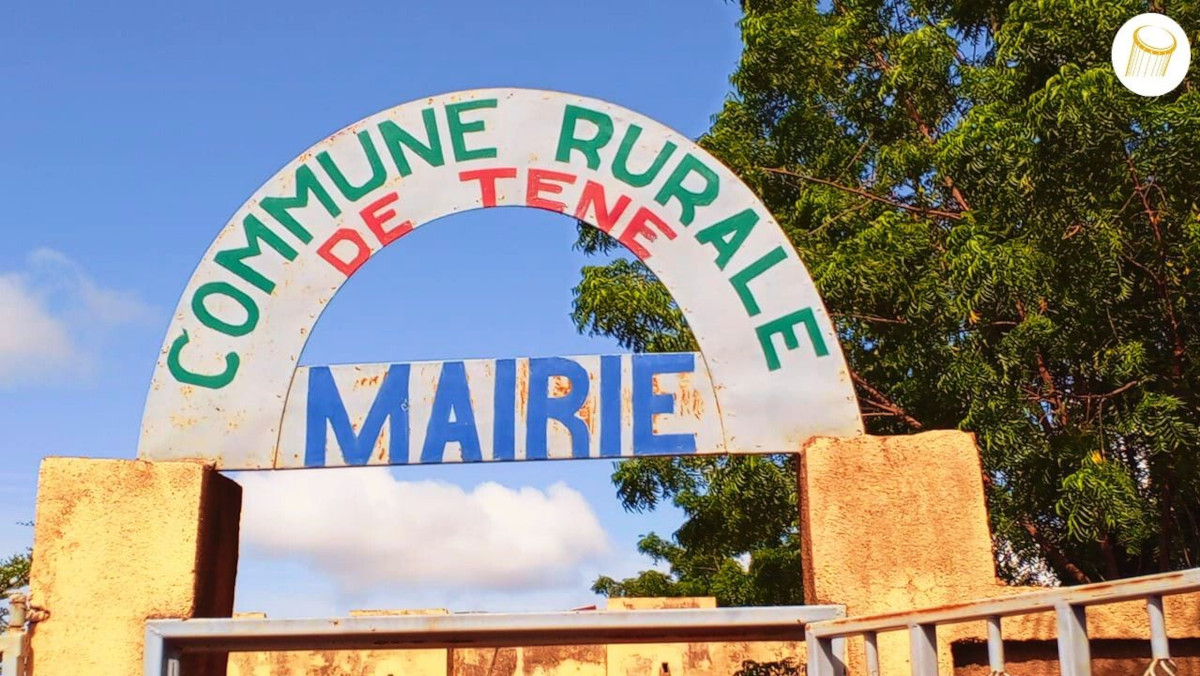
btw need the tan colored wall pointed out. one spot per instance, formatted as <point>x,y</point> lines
<point>589,660</point>
<point>689,658</point>
<point>344,662</point>
<point>889,524</point>
<point>894,523</point>
<point>574,660</point>
<point>900,523</point>
<point>118,542</point>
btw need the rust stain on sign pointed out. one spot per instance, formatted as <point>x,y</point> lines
<point>486,410</point>
<point>774,373</point>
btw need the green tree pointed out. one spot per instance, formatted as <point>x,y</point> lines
<point>785,667</point>
<point>14,574</point>
<point>1008,242</point>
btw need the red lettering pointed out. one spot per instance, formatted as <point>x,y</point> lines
<point>361,254</point>
<point>538,184</point>
<point>376,219</point>
<point>593,197</point>
<point>487,181</point>
<point>639,225</point>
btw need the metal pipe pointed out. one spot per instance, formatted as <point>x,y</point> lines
<point>10,653</point>
<point>1074,650</point>
<point>1159,645</point>
<point>1034,602</point>
<point>154,660</point>
<point>16,611</point>
<point>923,647</point>
<point>995,645</point>
<point>824,656</point>
<point>872,642</point>
<point>783,623</point>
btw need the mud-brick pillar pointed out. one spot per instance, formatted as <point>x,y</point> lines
<point>117,542</point>
<point>894,523</point>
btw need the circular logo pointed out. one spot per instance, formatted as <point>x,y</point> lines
<point>1151,54</point>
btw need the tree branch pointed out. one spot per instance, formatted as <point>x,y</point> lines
<point>1049,549</point>
<point>882,402</point>
<point>913,114</point>
<point>1155,219</point>
<point>924,211</point>
<point>870,318</point>
<point>1127,386</point>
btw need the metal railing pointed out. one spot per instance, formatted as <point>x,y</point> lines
<point>825,639</point>
<point>167,641</point>
<point>13,641</point>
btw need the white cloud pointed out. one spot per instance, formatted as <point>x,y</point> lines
<point>368,530</point>
<point>31,339</point>
<point>52,315</point>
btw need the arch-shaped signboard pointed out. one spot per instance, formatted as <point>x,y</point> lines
<point>769,374</point>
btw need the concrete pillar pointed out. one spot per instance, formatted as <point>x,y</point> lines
<point>894,523</point>
<point>117,542</point>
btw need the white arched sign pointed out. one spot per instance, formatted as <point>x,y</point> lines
<point>769,374</point>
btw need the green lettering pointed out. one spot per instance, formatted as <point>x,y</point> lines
<point>784,326</point>
<point>234,260</point>
<point>212,382</point>
<point>689,200</point>
<point>741,281</point>
<point>394,137</point>
<point>306,182</point>
<point>212,321</point>
<point>620,167</point>
<point>567,141</point>
<point>728,235</point>
<point>352,192</point>
<point>459,129</point>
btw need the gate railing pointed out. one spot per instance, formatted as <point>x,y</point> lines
<point>1069,605</point>
<point>823,627</point>
<point>167,641</point>
<point>13,641</point>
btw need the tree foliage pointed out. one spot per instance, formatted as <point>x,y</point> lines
<point>1009,243</point>
<point>14,574</point>
<point>784,667</point>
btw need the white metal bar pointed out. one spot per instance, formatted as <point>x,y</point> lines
<point>923,648</point>
<point>825,656</point>
<point>1074,651</point>
<point>1033,602</point>
<point>1160,648</point>
<point>995,640</point>
<point>10,652</point>
<point>492,629</point>
<point>154,658</point>
<point>872,643</point>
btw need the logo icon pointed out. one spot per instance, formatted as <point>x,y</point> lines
<point>1151,54</point>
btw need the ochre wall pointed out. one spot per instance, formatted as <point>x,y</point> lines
<point>117,542</point>
<point>1119,647</point>
<point>339,663</point>
<point>584,660</point>
<point>900,523</point>
<point>888,524</point>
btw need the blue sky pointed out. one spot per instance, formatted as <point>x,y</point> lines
<point>134,130</point>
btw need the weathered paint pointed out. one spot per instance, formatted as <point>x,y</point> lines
<point>503,409</point>
<point>231,352</point>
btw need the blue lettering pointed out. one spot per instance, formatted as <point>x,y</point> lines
<point>453,399</point>
<point>610,406</point>
<point>326,409</point>
<point>504,432</point>
<point>647,404</point>
<point>543,407</point>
